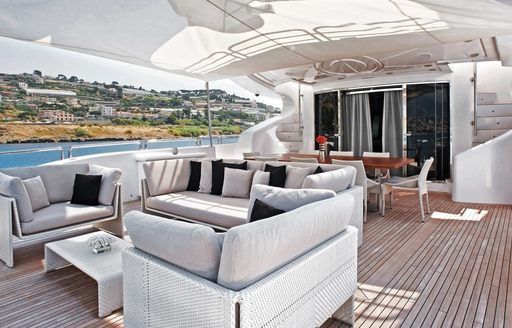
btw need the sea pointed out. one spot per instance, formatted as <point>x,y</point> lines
<point>47,152</point>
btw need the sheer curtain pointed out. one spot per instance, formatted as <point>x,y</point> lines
<point>356,123</point>
<point>392,128</point>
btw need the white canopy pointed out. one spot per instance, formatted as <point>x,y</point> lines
<point>214,39</point>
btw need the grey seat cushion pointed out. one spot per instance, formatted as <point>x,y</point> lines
<point>64,214</point>
<point>194,247</point>
<point>255,250</point>
<point>211,209</point>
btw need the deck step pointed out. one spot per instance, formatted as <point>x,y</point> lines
<point>288,127</point>
<point>486,135</point>
<point>486,98</point>
<point>292,145</point>
<point>494,123</point>
<point>289,136</point>
<point>494,110</point>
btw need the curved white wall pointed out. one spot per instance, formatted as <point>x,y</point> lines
<point>483,174</point>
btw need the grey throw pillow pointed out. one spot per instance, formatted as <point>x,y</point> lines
<point>36,193</point>
<point>295,176</point>
<point>237,183</point>
<point>261,177</point>
<point>13,187</point>
<point>109,178</point>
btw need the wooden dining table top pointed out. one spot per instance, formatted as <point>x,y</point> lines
<point>389,163</point>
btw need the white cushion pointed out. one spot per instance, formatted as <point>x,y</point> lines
<point>110,177</point>
<point>59,180</point>
<point>167,176</point>
<point>237,183</point>
<point>193,247</point>
<point>211,209</point>
<point>257,249</point>
<point>261,177</point>
<point>36,193</point>
<point>286,199</point>
<point>205,183</point>
<point>64,214</point>
<point>13,187</point>
<point>295,176</point>
<point>336,180</point>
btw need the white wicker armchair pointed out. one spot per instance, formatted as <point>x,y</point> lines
<point>304,293</point>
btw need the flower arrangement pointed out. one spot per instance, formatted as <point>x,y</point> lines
<point>321,139</point>
<point>99,244</point>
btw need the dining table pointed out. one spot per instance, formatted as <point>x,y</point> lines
<point>390,163</point>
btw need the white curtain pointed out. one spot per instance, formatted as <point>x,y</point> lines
<point>392,123</point>
<point>356,123</point>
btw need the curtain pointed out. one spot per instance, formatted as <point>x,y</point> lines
<point>392,123</point>
<point>356,125</point>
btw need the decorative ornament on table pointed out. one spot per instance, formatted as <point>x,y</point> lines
<point>100,244</point>
<point>322,145</point>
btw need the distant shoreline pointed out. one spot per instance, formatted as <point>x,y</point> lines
<point>38,133</point>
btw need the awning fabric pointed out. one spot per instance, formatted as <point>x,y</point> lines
<point>215,39</point>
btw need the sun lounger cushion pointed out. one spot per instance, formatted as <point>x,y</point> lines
<point>252,251</point>
<point>193,247</point>
<point>64,214</point>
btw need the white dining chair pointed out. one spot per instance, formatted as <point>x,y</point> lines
<point>416,183</point>
<point>265,158</point>
<point>251,154</point>
<point>304,159</point>
<point>384,174</point>
<point>308,152</point>
<point>341,153</point>
<point>370,187</point>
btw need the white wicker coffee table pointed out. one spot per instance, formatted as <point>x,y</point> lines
<point>105,268</point>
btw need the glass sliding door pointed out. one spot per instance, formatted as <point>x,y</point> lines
<point>326,117</point>
<point>428,127</point>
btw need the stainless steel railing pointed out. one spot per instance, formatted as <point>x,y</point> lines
<point>34,150</point>
<point>140,144</point>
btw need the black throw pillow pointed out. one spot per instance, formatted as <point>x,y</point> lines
<point>195,176</point>
<point>277,175</point>
<point>218,174</point>
<point>261,210</point>
<point>86,189</point>
<point>318,170</point>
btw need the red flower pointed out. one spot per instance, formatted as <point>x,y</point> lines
<point>321,139</point>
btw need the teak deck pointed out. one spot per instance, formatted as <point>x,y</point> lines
<point>451,271</point>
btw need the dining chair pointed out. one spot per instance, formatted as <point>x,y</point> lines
<point>384,174</point>
<point>370,187</point>
<point>308,152</point>
<point>304,159</point>
<point>415,183</point>
<point>251,154</point>
<point>265,158</point>
<point>341,153</point>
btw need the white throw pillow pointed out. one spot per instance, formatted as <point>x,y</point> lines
<point>295,176</point>
<point>336,180</point>
<point>237,183</point>
<point>109,178</point>
<point>261,177</point>
<point>205,184</point>
<point>36,193</point>
<point>286,199</point>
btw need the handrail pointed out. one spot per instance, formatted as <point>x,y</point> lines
<point>34,150</point>
<point>138,143</point>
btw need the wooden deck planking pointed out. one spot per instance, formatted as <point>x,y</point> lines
<point>444,272</point>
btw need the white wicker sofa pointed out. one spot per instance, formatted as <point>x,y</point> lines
<point>17,217</point>
<point>295,269</point>
<point>164,193</point>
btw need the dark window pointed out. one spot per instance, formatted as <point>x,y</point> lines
<point>326,117</point>
<point>428,127</point>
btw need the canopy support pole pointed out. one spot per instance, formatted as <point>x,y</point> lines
<point>209,113</point>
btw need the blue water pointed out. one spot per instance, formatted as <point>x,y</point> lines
<point>37,158</point>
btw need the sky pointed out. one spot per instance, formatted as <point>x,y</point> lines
<point>24,57</point>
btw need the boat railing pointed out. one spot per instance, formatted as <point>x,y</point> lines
<point>138,143</point>
<point>34,150</point>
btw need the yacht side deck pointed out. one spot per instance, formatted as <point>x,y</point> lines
<point>453,270</point>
